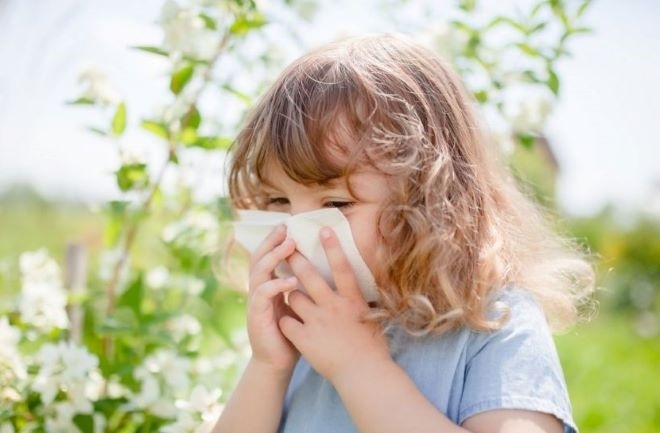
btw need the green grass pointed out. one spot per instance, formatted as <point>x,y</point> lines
<point>612,376</point>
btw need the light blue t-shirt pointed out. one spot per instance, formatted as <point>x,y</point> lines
<point>462,373</point>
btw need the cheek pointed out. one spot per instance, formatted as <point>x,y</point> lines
<point>367,242</point>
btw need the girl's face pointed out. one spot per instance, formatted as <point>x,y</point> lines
<point>283,194</point>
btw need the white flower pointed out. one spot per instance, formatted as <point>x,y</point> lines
<point>62,419</point>
<point>199,229</point>
<point>97,86</point>
<point>505,142</point>
<point>149,392</point>
<point>69,368</point>
<point>99,422</point>
<point>162,376</point>
<point>183,326</point>
<point>131,153</point>
<point>7,428</point>
<point>43,305</point>
<point>529,113</point>
<point>38,266</point>
<point>186,32</point>
<point>191,285</point>
<point>42,302</point>
<point>173,368</point>
<point>114,389</point>
<point>198,413</point>
<point>177,109</point>
<point>184,423</point>
<point>445,39</point>
<point>201,399</point>
<point>11,363</point>
<point>9,335</point>
<point>158,277</point>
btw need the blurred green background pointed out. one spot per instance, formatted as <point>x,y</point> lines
<point>610,361</point>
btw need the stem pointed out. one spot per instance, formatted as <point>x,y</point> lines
<point>132,228</point>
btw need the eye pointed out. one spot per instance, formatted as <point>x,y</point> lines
<point>276,201</point>
<point>339,204</point>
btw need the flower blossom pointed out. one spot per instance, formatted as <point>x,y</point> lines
<point>97,86</point>
<point>199,229</point>
<point>186,32</point>
<point>42,301</point>
<point>198,413</point>
<point>11,364</point>
<point>71,369</point>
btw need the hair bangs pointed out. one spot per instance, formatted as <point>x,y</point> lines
<point>314,125</point>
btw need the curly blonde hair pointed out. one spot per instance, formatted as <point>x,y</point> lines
<point>456,226</point>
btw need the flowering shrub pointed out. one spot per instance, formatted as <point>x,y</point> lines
<point>154,340</point>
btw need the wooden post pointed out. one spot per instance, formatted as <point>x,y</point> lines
<point>75,281</point>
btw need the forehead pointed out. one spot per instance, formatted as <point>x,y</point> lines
<point>363,182</point>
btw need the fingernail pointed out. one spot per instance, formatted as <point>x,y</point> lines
<point>280,228</point>
<point>326,233</point>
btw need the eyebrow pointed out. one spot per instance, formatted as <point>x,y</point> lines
<point>330,183</point>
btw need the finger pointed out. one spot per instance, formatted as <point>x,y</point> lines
<point>342,271</point>
<point>264,293</point>
<point>310,278</point>
<point>273,239</point>
<point>292,329</point>
<point>263,269</point>
<point>301,304</point>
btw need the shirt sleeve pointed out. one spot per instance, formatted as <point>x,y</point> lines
<point>516,366</point>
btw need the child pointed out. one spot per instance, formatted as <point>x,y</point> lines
<point>469,274</point>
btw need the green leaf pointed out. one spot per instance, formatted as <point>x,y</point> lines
<point>536,28</point>
<point>212,143</point>
<point>192,119</point>
<point>553,81</point>
<point>583,7</point>
<point>132,176</point>
<point>117,207</point>
<point>153,50</point>
<point>209,22</point>
<point>85,422</point>
<point>245,23</point>
<point>112,231</point>
<point>481,95</point>
<point>467,5</point>
<point>526,140</point>
<point>242,96</point>
<point>529,50</point>
<point>155,127</point>
<point>119,120</point>
<point>98,131</point>
<point>580,30</point>
<point>83,100</point>
<point>132,297</point>
<point>495,22</point>
<point>188,136</point>
<point>180,78</point>
<point>535,10</point>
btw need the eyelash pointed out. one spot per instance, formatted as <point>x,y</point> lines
<point>282,201</point>
<point>279,201</point>
<point>339,204</point>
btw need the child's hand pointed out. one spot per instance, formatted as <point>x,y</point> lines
<point>331,334</point>
<point>266,303</point>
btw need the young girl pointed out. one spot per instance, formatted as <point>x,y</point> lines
<point>468,273</point>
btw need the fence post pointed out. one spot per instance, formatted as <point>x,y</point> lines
<point>75,282</point>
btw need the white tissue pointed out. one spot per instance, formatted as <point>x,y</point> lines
<point>254,225</point>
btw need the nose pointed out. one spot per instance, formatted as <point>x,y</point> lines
<point>301,207</point>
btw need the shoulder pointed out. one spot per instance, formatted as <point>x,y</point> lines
<point>515,366</point>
